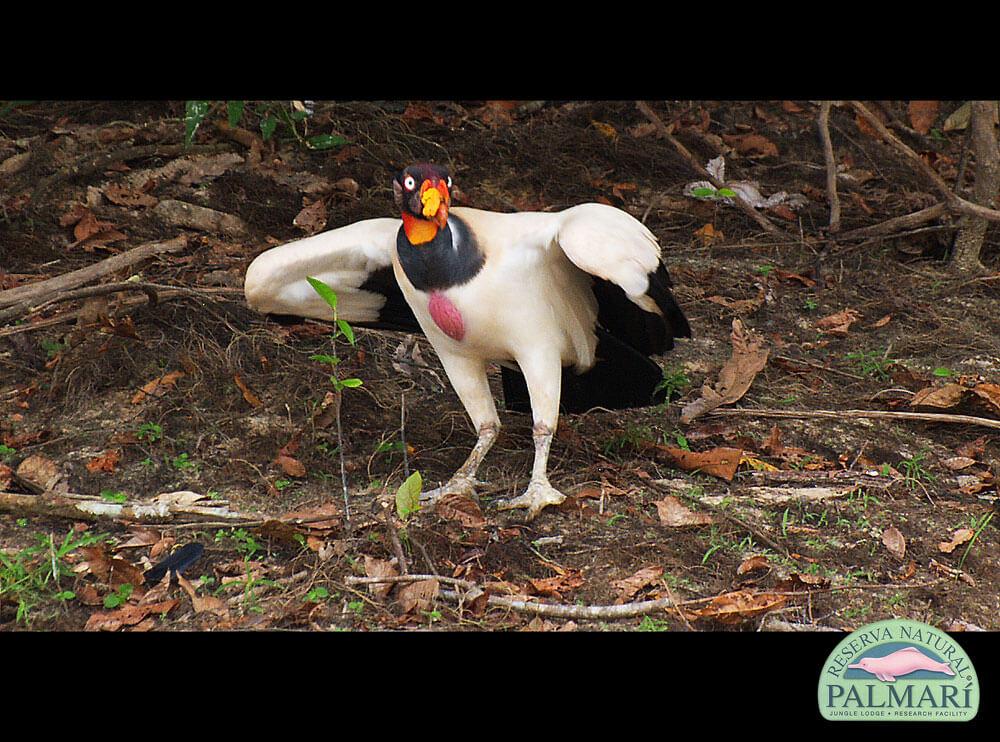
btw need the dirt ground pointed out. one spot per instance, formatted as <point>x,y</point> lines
<point>828,523</point>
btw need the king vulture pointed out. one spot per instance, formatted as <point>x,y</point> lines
<point>571,304</point>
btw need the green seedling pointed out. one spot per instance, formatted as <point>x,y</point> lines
<point>119,597</point>
<point>149,432</point>
<point>27,577</point>
<point>914,471</point>
<point>182,462</point>
<point>873,363</point>
<point>112,496</point>
<point>317,594</point>
<point>291,117</point>
<point>649,623</point>
<point>810,304</point>
<point>673,381</point>
<point>408,496</point>
<point>944,373</point>
<point>709,193</point>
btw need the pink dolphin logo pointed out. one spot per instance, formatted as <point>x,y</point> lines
<point>901,662</point>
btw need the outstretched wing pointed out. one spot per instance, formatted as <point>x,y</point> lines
<point>632,286</point>
<point>355,261</point>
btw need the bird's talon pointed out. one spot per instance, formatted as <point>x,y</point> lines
<point>538,496</point>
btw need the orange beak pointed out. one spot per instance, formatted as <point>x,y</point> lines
<point>436,200</point>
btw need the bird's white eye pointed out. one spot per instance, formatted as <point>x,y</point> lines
<point>449,182</point>
<point>409,183</point>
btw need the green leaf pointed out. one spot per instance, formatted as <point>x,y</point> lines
<point>326,293</point>
<point>325,141</point>
<point>351,383</point>
<point>408,496</point>
<point>299,115</point>
<point>194,113</point>
<point>727,192</point>
<point>65,595</point>
<point>323,358</point>
<point>945,372</point>
<point>347,330</point>
<point>234,110</point>
<point>317,594</point>
<point>112,496</point>
<point>267,127</point>
<point>703,192</point>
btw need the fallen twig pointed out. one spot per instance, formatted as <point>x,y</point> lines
<point>930,417</point>
<point>82,507</point>
<point>86,165</point>
<point>831,167</point>
<point>33,292</point>
<point>954,202</point>
<point>610,612</point>
<point>749,210</point>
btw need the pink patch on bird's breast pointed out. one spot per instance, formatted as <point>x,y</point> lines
<point>446,316</point>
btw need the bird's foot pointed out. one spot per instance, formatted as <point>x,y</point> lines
<point>456,486</point>
<point>539,495</point>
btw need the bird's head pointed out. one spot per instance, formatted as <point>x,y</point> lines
<point>423,196</point>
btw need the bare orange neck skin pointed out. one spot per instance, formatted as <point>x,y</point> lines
<point>418,231</point>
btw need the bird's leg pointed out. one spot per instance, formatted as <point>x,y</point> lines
<point>540,493</point>
<point>464,481</point>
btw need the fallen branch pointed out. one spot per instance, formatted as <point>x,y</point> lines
<point>87,165</point>
<point>896,224</point>
<point>151,290</point>
<point>955,203</point>
<point>82,507</point>
<point>35,291</point>
<point>608,612</point>
<point>745,207</point>
<point>930,417</point>
<point>831,167</point>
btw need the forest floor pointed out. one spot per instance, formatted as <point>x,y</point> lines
<point>819,522</point>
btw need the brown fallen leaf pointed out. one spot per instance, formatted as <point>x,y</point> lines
<point>942,397</point>
<point>747,360</point>
<point>675,514</point>
<point>460,508</point>
<point>990,393</point>
<point>328,513</point>
<point>708,234</point>
<point>203,603</point>
<point>418,596</point>
<point>6,475</point>
<point>957,463</point>
<point>380,568</point>
<point>786,276</point>
<point>958,538</point>
<point>972,449</point>
<point>718,462</point>
<point>39,470</point>
<point>112,570</point>
<point>893,540</point>
<point>127,615</point>
<point>754,564</point>
<point>555,586</point>
<point>252,399</point>
<point>923,114</point>
<point>738,606</point>
<point>312,218</point>
<point>629,586</point>
<point>881,323</point>
<point>838,324</point>
<point>740,306</point>
<point>123,195</point>
<point>106,462</point>
<point>751,144</point>
<point>157,387</point>
<point>291,466</point>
